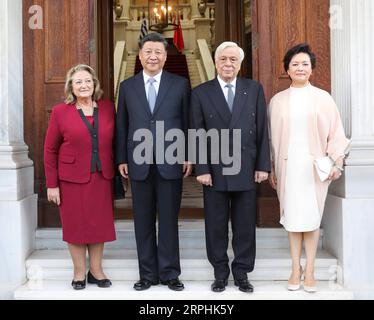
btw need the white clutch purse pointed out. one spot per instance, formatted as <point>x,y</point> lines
<point>323,166</point>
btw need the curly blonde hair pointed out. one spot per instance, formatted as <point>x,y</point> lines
<point>70,98</point>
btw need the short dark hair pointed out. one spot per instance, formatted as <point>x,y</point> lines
<point>300,48</point>
<point>154,37</point>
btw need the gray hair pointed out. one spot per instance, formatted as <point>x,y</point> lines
<point>228,44</point>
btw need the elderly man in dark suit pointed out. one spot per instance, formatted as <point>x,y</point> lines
<point>236,104</point>
<point>151,100</point>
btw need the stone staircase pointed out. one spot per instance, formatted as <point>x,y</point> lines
<point>126,71</point>
<point>130,67</point>
<point>175,63</point>
<point>192,196</point>
<point>193,70</point>
<point>49,269</point>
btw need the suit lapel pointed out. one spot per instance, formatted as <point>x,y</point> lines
<point>163,88</point>
<point>241,95</point>
<point>140,88</point>
<point>219,101</point>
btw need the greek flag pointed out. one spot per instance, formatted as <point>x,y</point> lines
<point>143,29</point>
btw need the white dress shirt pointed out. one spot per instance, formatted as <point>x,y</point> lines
<point>224,89</point>
<point>156,84</point>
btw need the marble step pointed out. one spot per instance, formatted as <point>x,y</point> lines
<point>194,290</point>
<point>191,235</point>
<point>271,265</point>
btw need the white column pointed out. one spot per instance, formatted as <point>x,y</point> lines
<point>195,9</point>
<point>349,213</point>
<point>126,10</point>
<point>353,67</point>
<point>18,203</point>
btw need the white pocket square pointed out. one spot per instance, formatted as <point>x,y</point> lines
<point>323,166</point>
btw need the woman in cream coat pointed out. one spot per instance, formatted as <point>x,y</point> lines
<point>304,126</point>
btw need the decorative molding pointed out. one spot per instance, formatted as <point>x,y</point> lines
<point>14,157</point>
<point>55,66</point>
<point>61,24</point>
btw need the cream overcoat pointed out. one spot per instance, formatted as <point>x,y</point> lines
<point>326,136</point>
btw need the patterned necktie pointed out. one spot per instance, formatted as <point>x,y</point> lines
<point>151,94</point>
<point>230,96</point>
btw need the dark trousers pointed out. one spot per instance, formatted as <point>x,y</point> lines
<point>157,259</point>
<point>242,206</point>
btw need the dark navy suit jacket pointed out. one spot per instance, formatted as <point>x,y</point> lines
<point>133,113</point>
<point>209,110</point>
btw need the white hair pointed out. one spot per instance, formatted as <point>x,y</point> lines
<point>228,44</point>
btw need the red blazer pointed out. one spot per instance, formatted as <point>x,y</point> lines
<point>68,147</point>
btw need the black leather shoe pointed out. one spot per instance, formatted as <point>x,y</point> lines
<point>219,285</point>
<point>144,284</point>
<point>102,283</point>
<point>244,285</point>
<point>174,284</point>
<point>79,285</point>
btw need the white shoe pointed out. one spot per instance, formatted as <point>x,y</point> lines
<point>310,289</point>
<point>293,287</point>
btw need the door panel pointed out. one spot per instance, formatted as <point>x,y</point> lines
<point>277,26</point>
<point>48,54</point>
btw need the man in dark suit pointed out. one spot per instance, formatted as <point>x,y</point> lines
<point>236,104</point>
<point>150,100</point>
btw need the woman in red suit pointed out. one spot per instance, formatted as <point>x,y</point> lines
<point>78,159</point>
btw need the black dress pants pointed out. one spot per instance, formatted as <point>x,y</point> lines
<point>158,259</point>
<point>242,206</point>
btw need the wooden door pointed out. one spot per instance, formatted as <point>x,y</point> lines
<point>280,24</point>
<point>67,37</point>
<point>277,25</point>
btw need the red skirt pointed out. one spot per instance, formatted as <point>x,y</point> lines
<point>86,211</point>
